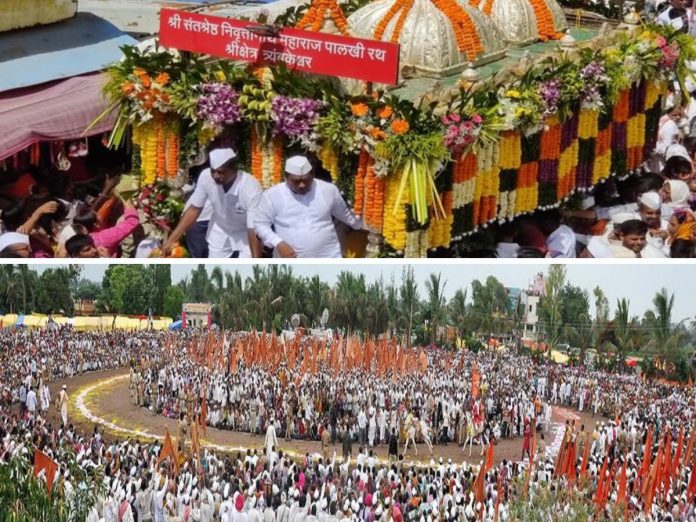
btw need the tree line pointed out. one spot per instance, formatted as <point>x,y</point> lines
<point>272,294</point>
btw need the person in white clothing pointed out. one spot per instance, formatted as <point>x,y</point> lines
<point>31,401</point>
<point>271,443</point>
<point>233,196</point>
<point>296,217</point>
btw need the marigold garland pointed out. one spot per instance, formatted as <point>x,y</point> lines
<point>316,14</point>
<point>468,40</point>
<point>544,20</point>
<point>396,7</point>
<point>358,204</point>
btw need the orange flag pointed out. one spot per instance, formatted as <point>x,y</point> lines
<point>666,471</point>
<point>423,359</point>
<point>647,453</point>
<point>599,493</point>
<point>651,484</point>
<point>489,457</point>
<point>44,462</point>
<point>686,457</point>
<point>478,485</point>
<point>677,456</point>
<point>475,381</point>
<point>691,489</point>
<point>585,457</point>
<point>621,495</point>
<point>571,467</point>
<point>204,414</point>
<point>499,489</point>
<point>168,450</point>
<point>560,460</point>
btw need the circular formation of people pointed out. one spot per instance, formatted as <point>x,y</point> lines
<point>636,460</point>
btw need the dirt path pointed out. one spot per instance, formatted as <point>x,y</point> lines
<point>103,398</point>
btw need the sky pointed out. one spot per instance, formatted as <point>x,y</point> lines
<point>637,282</point>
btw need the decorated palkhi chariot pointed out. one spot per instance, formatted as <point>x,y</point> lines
<point>471,132</point>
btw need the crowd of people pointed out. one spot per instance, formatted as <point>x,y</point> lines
<point>356,410</point>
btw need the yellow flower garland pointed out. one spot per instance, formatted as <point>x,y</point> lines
<point>394,223</point>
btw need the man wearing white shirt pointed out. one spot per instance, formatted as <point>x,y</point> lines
<point>31,401</point>
<point>233,196</point>
<point>296,217</point>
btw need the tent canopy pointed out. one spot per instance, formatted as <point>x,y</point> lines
<point>60,111</point>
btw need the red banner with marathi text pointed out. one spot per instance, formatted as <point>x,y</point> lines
<point>308,51</point>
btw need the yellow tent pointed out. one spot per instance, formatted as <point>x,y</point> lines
<point>8,320</point>
<point>559,357</point>
<point>34,321</point>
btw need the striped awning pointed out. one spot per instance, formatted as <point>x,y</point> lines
<point>56,111</point>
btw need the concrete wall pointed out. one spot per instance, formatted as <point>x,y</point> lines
<point>17,14</point>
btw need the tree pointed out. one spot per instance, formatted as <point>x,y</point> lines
<point>551,305</point>
<point>126,289</point>
<point>489,304</point>
<point>575,318</point>
<point>87,290</point>
<point>173,302</point>
<point>161,277</point>
<point>436,310</point>
<point>624,330</point>
<point>459,311</point>
<point>666,338</point>
<point>53,294</point>
<point>410,302</point>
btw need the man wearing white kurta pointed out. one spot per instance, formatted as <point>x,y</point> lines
<point>271,443</point>
<point>233,196</point>
<point>63,405</point>
<point>296,217</point>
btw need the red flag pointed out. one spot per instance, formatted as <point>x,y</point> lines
<point>489,457</point>
<point>168,450</point>
<point>43,462</point>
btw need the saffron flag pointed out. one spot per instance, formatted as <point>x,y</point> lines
<point>478,484</point>
<point>600,485</point>
<point>423,359</point>
<point>647,453</point>
<point>691,489</point>
<point>489,457</point>
<point>677,456</point>
<point>651,484</point>
<point>204,414</point>
<point>168,450</point>
<point>621,495</point>
<point>43,462</point>
<point>475,381</point>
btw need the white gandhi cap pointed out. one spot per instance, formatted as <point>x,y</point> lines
<point>651,200</point>
<point>298,166</point>
<point>218,157</point>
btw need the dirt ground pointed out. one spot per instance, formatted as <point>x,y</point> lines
<point>113,404</point>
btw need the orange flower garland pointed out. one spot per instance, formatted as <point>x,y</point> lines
<point>314,17</point>
<point>544,20</point>
<point>256,159</point>
<point>468,40</point>
<point>161,150</point>
<point>172,167</point>
<point>374,197</point>
<point>397,6</point>
<point>363,159</point>
<point>277,160</point>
